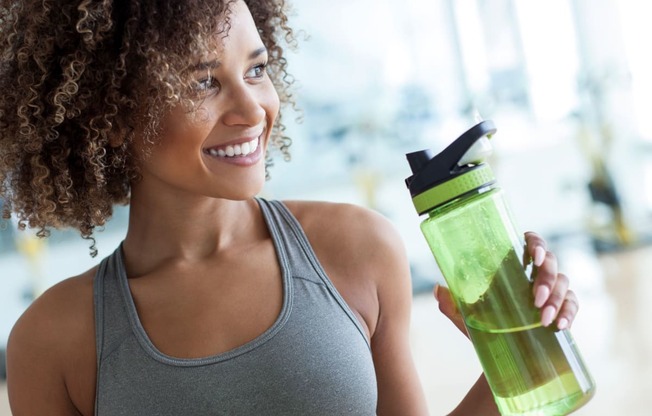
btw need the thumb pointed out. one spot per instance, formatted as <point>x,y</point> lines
<point>447,307</point>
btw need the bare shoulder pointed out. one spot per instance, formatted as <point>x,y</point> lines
<point>59,307</point>
<point>51,348</point>
<point>362,253</point>
<point>351,231</point>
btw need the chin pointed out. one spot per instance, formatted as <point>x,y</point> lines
<point>243,190</point>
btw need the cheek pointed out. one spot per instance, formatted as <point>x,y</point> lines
<point>185,131</point>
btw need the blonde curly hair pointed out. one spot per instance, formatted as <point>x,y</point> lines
<point>78,76</point>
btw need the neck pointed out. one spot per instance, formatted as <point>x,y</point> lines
<point>186,229</point>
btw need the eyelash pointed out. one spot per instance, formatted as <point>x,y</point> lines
<point>207,83</point>
<point>262,67</point>
<point>212,83</point>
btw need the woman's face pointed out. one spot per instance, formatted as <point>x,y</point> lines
<point>218,149</point>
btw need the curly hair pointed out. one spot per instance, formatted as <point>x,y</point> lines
<point>78,76</point>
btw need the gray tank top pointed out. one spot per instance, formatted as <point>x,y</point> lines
<point>314,360</point>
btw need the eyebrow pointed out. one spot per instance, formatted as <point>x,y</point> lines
<point>213,64</point>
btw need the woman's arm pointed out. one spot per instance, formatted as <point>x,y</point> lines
<point>478,402</point>
<point>34,375</point>
<point>399,388</point>
<point>48,356</point>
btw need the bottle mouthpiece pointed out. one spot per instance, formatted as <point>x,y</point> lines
<point>460,164</point>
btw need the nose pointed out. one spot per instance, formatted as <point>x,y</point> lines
<point>245,107</point>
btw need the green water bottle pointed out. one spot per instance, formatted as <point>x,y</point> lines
<point>531,369</point>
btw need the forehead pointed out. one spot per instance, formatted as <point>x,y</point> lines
<point>236,32</point>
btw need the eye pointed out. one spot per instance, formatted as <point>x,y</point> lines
<point>207,84</point>
<point>257,71</point>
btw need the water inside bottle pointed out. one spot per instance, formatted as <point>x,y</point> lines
<point>528,366</point>
<point>532,368</point>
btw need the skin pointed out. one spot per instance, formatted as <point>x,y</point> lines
<point>216,260</point>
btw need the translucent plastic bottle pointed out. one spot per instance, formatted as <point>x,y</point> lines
<point>531,369</point>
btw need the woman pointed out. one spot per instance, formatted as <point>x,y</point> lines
<point>216,302</point>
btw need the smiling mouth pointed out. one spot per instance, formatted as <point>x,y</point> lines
<point>234,150</point>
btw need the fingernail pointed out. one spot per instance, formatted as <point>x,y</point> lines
<point>541,296</point>
<point>562,323</point>
<point>437,291</point>
<point>547,315</point>
<point>539,256</point>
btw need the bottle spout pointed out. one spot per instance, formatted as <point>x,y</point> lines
<point>418,160</point>
<point>466,152</point>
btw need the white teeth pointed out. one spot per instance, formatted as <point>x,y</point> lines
<point>246,149</point>
<point>243,149</point>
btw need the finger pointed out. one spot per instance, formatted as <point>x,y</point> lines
<point>447,307</point>
<point>545,280</point>
<point>535,248</point>
<point>568,311</point>
<point>555,300</point>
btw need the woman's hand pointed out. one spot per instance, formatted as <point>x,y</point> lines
<point>551,293</point>
<point>447,307</point>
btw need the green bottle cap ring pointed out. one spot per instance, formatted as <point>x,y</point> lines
<point>449,190</point>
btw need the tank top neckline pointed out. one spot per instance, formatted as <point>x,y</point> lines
<point>147,344</point>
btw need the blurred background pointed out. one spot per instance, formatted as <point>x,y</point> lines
<point>567,84</point>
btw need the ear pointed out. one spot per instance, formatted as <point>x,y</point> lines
<point>120,134</point>
<point>115,140</point>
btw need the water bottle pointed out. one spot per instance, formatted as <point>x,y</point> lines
<point>531,369</point>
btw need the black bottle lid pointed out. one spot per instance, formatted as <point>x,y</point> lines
<point>460,158</point>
